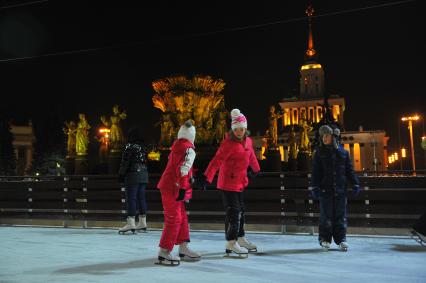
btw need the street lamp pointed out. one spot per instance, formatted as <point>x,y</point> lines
<point>410,120</point>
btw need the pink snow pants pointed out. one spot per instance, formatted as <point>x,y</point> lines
<point>176,228</point>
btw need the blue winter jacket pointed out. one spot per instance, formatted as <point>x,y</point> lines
<point>331,168</point>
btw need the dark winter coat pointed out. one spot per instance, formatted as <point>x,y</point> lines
<point>133,164</point>
<point>331,168</point>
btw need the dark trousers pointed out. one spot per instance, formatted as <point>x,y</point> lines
<point>234,219</point>
<point>136,199</point>
<point>420,225</point>
<point>333,223</point>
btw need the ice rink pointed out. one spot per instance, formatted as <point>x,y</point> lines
<point>30,254</point>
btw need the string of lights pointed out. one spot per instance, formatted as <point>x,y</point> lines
<point>201,34</point>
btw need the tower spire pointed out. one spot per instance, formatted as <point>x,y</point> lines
<point>310,53</point>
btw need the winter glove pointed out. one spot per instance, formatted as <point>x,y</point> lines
<point>251,174</point>
<point>315,193</point>
<point>202,182</point>
<point>355,190</point>
<point>181,195</point>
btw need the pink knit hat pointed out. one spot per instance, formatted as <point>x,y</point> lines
<point>238,119</point>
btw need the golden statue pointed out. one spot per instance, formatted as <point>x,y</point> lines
<point>70,130</point>
<point>304,134</point>
<point>221,127</point>
<point>116,133</point>
<point>273,126</point>
<point>197,99</point>
<point>167,129</point>
<point>292,142</point>
<point>82,135</point>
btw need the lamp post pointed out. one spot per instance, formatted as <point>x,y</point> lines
<point>410,120</point>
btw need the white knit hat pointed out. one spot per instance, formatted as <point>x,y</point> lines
<point>187,131</point>
<point>238,119</point>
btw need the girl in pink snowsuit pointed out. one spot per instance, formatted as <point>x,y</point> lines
<point>232,160</point>
<point>175,190</point>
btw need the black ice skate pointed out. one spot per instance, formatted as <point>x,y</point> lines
<point>129,227</point>
<point>419,238</point>
<point>233,249</point>
<point>166,258</point>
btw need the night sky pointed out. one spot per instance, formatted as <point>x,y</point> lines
<point>374,58</point>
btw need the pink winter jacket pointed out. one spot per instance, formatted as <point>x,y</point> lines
<point>182,154</point>
<point>232,160</point>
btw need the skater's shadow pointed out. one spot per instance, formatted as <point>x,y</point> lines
<point>289,252</point>
<point>108,267</point>
<point>211,256</point>
<point>409,248</point>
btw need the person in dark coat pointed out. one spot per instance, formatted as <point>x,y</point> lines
<point>331,167</point>
<point>133,173</point>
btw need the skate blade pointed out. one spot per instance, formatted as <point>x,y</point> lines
<point>125,232</point>
<point>184,257</point>
<point>252,251</point>
<point>232,254</point>
<point>165,262</point>
<point>416,238</point>
<point>343,249</point>
<point>143,230</point>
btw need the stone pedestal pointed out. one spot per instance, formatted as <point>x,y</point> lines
<point>114,160</point>
<point>304,161</point>
<point>292,164</point>
<point>204,155</point>
<point>81,165</point>
<point>69,165</point>
<point>273,160</point>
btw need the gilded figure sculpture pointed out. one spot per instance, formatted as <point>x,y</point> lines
<point>273,125</point>
<point>304,134</point>
<point>116,132</point>
<point>82,135</point>
<point>70,131</point>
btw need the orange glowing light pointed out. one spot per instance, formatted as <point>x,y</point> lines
<point>411,118</point>
<point>403,153</point>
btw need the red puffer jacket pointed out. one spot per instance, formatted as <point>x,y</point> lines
<point>182,155</point>
<point>232,160</point>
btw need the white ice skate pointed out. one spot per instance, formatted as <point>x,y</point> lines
<point>166,258</point>
<point>187,254</point>
<point>129,227</point>
<point>343,246</point>
<point>233,248</point>
<point>243,242</point>
<point>419,238</point>
<point>325,245</point>
<point>141,227</point>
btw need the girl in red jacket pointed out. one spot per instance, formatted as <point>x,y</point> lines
<point>175,189</point>
<point>232,159</point>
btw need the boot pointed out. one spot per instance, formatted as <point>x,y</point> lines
<point>232,247</point>
<point>325,245</point>
<point>343,246</point>
<point>187,254</point>
<point>243,242</point>
<point>130,226</point>
<point>166,258</point>
<point>141,227</point>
